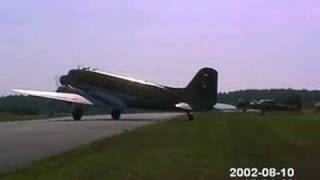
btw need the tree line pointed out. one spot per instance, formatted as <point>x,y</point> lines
<point>287,96</point>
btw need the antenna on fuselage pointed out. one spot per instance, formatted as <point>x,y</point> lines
<point>86,68</point>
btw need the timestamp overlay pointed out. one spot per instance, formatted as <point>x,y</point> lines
<point>262,173</point>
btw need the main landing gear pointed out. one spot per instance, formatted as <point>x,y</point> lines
<point>115,114</point>
<point>77,113</point>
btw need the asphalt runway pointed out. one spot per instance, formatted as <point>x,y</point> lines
<point>22,142</point>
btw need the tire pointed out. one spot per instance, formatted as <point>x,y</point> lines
<point>115,114</point>
<point>190,117</point>
<point>77,114</point>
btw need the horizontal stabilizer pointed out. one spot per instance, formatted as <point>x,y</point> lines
<point>184,106</point>
<point>66,97</point>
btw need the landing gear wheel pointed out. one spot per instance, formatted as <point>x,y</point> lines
<point>190,116</point>
<point>77,114</point>
<point>115,114</point>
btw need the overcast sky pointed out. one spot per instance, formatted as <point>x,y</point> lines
<point>252,43</point>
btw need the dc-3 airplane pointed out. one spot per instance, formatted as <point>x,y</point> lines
<point>85,87</point>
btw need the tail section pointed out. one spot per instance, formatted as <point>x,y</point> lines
<point>202,91</point>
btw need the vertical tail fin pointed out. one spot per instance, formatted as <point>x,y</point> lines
<point>203,89</point>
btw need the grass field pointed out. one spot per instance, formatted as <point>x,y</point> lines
<point>205,148</point>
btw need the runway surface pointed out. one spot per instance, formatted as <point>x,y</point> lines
<point>22,142</point>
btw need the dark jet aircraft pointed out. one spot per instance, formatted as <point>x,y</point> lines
<point>265,105</point>
<point>85,87</point>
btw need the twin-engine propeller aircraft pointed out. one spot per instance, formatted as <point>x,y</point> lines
<point>85,87</point>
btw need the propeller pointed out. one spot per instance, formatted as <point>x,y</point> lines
<point>61,82</point>
<point>57,81</point>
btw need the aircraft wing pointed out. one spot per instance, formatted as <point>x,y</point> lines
<point>66,97</point>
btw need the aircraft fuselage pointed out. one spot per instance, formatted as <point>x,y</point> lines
<point>123,92</point>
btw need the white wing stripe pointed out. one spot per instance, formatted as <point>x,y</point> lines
<point>68,97</point>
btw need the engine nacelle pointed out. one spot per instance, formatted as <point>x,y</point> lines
<point>64,80</point>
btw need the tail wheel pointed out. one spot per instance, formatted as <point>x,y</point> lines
<point>115,114</point>
<point>77,114</point>
<point>190,116</point>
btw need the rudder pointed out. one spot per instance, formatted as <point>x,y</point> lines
<point>203,88</point>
